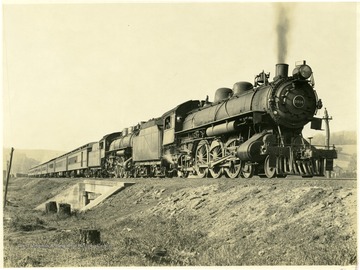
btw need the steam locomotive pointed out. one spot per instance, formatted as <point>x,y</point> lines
<point>251,129</point>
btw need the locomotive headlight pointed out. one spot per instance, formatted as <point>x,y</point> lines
<point>305,71</point>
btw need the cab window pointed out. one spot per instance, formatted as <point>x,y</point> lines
<point>167,122</point>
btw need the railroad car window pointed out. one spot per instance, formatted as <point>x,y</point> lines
<point>72,160</point>
<point>59,163</point>
<point>167,122</point>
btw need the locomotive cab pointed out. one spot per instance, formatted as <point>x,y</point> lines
<point>173,119</point>
<point>169,129</point>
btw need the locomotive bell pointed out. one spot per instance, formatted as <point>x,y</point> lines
<point>281,71</point>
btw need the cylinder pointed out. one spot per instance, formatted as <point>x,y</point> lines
<point>221,129</point>
<point>250,151</point>
<point>120,153</point>
<point>282,70</point>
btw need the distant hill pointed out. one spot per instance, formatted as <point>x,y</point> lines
<point>346,145</point>
<point>23,159</point>
<point>337,138</point>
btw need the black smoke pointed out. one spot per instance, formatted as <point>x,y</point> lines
<point>283,23</point>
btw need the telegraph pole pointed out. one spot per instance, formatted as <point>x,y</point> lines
<point>8,175</point>
<point>327,137</point>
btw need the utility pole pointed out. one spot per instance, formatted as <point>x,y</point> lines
<point>327,137</point>
<point>8,175</point>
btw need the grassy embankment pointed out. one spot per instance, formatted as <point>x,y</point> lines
<point>188,222</point>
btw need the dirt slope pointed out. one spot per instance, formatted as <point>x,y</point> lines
<point>189,222</point>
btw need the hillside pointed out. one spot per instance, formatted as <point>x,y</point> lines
<point>346,156</point>
<point>23,160</point>
<point>336,138</point>
<point>187,222</point>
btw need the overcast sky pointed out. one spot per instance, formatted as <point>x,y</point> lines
<point>75,72</point>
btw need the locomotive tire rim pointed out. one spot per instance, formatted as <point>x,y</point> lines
<point>269,171</point>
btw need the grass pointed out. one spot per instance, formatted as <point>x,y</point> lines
<point>166,242</point>
<point>170,242</point>
<point>250,223</point>
<point>282,247</point>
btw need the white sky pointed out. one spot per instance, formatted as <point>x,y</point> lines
<point>75,72</point>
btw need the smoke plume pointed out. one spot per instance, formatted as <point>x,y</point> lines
<point>282,13</point>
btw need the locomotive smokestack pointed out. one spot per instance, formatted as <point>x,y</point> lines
<point>281,71</point>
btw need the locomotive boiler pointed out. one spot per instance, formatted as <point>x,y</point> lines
<point>119,156</point>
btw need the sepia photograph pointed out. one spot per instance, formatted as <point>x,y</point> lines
<point>179,133</point>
